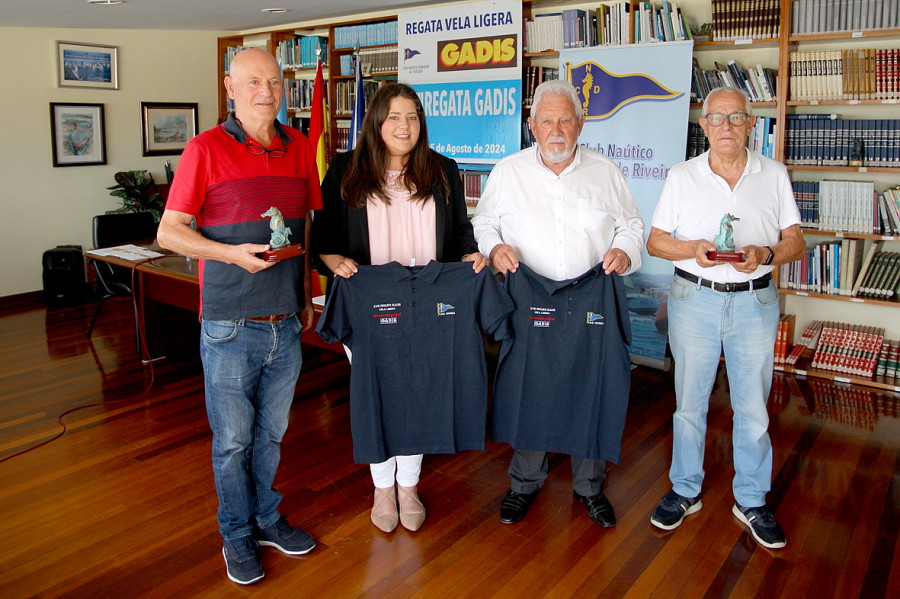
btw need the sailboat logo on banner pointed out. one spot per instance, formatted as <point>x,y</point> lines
<point>603,93</point>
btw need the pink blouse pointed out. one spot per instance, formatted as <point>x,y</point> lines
<point>402,231</point>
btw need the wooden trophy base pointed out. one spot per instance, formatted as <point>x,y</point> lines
<point>284,253</point>
<point>718,256</point>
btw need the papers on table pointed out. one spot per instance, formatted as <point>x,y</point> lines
<point>134,253</point>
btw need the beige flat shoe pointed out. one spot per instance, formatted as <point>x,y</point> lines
<point>384,509</point>
<point>412,512</point>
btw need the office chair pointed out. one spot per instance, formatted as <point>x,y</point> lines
<point>115,281</point>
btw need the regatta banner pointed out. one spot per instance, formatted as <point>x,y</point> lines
<point>636,100</point>
<point>465,62</point>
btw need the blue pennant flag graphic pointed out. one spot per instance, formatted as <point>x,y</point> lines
<point>409,53</point>
<point>603,93</point>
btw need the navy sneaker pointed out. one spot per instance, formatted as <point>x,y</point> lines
<point>762,525</point>
<point>242,560</point>
<point>285,538</point>
<point>672,509</point>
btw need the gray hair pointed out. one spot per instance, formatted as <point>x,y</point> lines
<point>556,87</point>
<point>727,90</point>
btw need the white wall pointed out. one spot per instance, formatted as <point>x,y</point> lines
<point>42,206</point>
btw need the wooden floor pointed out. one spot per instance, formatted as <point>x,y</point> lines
<point>123,504</point>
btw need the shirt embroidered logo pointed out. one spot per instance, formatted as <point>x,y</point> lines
<point>444,309</point>
<point>593,318</point>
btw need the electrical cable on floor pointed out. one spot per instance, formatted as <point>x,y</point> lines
<point>144,352</point>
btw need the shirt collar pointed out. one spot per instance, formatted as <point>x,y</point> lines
<point>552,287</point>
<point>233,128</point>
<point>429,272</point>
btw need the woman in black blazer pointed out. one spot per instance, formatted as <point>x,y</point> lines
<point>393,199</point>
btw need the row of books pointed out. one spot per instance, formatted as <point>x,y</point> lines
<point>473,184</point>
<point>806,341</point>
<point>532,77</point>
<point>300,52</point>
<point>882,278</point>
<point>825,268</point>
<point>230,51</point>
<point>696,141</point>
<point>834,205</point>
<point>298,93</point>
<point>844,268</point>
<point>340,136</point>
<point>882,214</point>
<point>614,23</point>
<point>528,139</point>
<point>848,348</point>
<point>862,74</point>
<point>663,23</point>
<point>830,16</point>
<point>784,337</point>
<point>826,140</point>
<point>889,212</point>
<point>820,270</point>
<point>366,34</point>
<point>374,61</point>
<point>608,24</point>
<point>762,137</point>
<point>579,28</point>
<point>745,19</point>
<point>889,359</point>
<point>757,81</point>
<point>345,95</point>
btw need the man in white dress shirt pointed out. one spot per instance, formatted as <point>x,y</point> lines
<point>562,209</point>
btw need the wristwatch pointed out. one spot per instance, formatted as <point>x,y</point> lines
<point>771,256</point>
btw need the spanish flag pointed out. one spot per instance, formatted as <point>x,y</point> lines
<point>318,122</point>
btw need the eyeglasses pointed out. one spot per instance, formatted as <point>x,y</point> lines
<point>259,150</point>
<point>735,118</point>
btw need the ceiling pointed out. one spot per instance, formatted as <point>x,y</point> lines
<point>214,15</point>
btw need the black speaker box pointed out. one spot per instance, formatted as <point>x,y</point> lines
<point>64,282</point>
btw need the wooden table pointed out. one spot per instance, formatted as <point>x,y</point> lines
<point>167,292</point>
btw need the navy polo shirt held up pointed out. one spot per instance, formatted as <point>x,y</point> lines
<point>418,383</point>
<point>564,376</point>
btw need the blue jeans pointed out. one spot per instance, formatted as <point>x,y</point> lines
<point>703,323</point>
<point>250,371</point>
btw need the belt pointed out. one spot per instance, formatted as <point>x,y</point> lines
<point>271,319</point>
<point>760,283</point>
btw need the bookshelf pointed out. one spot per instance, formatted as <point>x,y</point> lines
<point>796,39</point>
<point>374,41</point>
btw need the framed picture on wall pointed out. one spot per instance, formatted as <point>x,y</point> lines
<point>167,127</point>
<point>78,134</point>
<point>87,65</point>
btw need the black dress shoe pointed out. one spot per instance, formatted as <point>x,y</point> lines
<point>515,506</point>
<point>599,509</point>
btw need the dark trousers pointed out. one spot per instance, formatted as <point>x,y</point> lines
<point>528,471</point>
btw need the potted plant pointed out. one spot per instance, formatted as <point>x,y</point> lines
<point>138,193</point>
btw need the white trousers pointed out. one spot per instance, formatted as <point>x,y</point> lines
<point>405,469</point>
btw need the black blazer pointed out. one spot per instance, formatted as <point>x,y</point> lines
<point>339,229</point>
